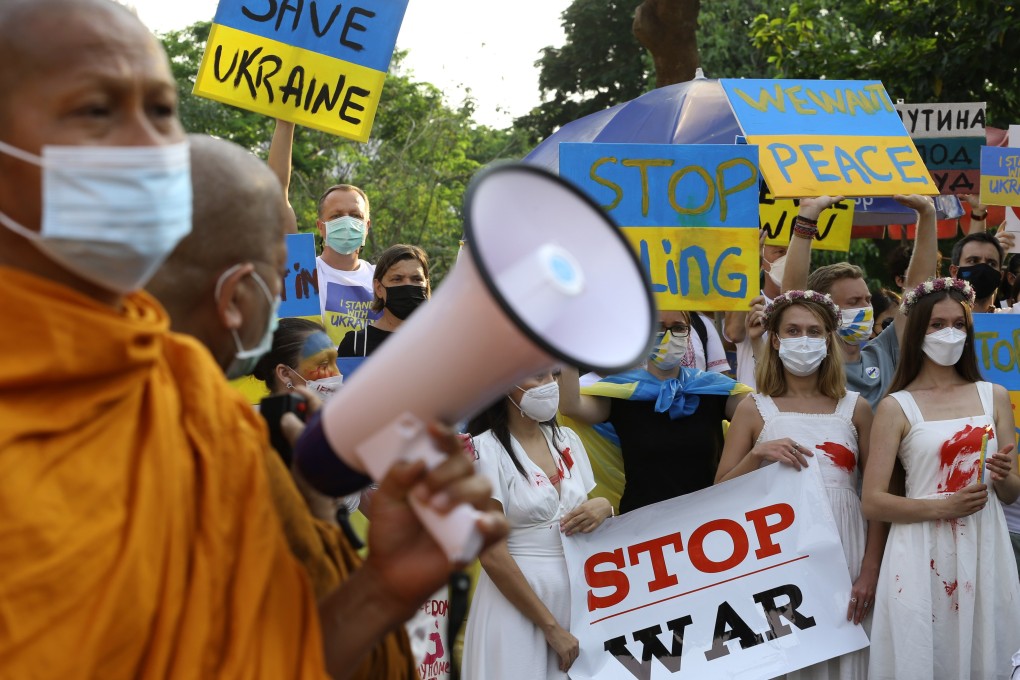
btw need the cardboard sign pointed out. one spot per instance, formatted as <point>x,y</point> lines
<point>997,343</point>
<point>321,65</point>
<point>834,224</point>
<point>828,138</point>
<point>949,139</point>
<point>746,579</point>
<point>690,211</point>
<point>1000,176</point>
<point>300,294</point>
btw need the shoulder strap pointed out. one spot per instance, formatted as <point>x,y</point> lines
<point>909,407</point>
<point>845,407</point>
<point>985,391</point>
<point>766,407</point>
<point>699,327</point>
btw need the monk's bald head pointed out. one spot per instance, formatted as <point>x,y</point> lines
<point>238,216</point>
<point>41,35</point>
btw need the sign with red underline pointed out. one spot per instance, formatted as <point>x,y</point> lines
<point>745,579</point>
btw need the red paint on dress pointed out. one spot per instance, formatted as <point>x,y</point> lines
<point>840,455</point>
<point>950,587</point>
<point>958,459</point>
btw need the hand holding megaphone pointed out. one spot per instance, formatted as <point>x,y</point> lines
<point>531,291</point>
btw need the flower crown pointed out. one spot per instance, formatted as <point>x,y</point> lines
<point>936,286</point>
<point>788,298</point>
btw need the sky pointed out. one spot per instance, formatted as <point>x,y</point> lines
<point>487,47</point>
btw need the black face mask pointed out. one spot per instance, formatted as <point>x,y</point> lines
<point>983,278</point>
<point>402,300</point>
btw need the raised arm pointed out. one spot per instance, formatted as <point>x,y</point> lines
<point>924,258</point>
<point>281,150</point>
<point>978,213</point>
<point>583,408</point>
<point>798,257</point>
<point>887,431</point>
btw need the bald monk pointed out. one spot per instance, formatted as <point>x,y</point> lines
<point>235,220</point>
<point>138,538</point>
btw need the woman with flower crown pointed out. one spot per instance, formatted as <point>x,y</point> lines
<point>519,623</point>
<point>948,600</point>
<point>803,416</point>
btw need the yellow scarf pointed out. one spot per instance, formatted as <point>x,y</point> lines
<point>137,534</point>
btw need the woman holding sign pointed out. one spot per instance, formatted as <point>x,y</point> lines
<point>803,416</point>
<point>948,601</point>
<point>519,624</point>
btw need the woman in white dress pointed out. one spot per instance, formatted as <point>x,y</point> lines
<point>948,602</point>
<point>519,622</point>
<point>804,416</point>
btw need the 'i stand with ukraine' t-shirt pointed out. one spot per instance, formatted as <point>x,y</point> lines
<point>345,298</point>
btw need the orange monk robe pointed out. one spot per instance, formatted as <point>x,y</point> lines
<point>137,534</point>
<point>329,559</point>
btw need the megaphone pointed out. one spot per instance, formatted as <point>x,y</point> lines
<point>548,278</point>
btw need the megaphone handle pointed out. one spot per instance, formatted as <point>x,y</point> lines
<point>405,438</point>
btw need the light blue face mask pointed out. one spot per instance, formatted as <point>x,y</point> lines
<point>245,360</point>
<point>110,215</point>
<point>346,234</point>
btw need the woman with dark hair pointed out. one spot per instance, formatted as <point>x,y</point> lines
<point>400,284</point>
<point>302,354</point>
<point>802,415</point>
<point>886,304</point>
<point>519,624</point>
<point>948,599</point>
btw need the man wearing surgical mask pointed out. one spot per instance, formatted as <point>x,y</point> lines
<point>977,259</point>
<point>869,366</point>
<point>345,280</point>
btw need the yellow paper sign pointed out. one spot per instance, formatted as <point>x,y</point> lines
<point>708,268</point>
<point>834,224</point>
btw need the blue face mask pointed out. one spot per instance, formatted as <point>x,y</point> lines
<point>346,234</point>
<point>245,360</point>
<point>110,215</point>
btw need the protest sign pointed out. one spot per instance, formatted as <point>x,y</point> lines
<point>828,138</point>
<point>997,343</point>
<point>299,297</point>
<point>1013,212</point>
<point>949,138</point>
<point>1000,176</point>
<point>317,64</point>
<point>746,579</point>
<point>690,211</point>
<point>834,224</point>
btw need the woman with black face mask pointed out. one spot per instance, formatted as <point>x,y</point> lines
<point>400,284</point>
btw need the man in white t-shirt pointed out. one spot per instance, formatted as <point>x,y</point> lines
<point>345,280</point>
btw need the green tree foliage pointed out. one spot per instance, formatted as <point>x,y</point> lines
<point>415,168</point>
<point>922,50</point>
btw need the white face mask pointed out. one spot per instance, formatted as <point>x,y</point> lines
<point>945,347</point>
<point>245,359</point>
<point>110,215</point>
<point>802,356</point>
<point>540,403</point>
<point>668,350</point>
<point>325,388</point>
<point>776,269</point>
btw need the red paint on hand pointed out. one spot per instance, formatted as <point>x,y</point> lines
<point>840,455</point>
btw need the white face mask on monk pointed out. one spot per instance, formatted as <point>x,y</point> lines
<point>111,215</point>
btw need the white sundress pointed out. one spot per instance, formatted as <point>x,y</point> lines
<point>832,438</point>
<point>948,601</point>
<point>500,642</point>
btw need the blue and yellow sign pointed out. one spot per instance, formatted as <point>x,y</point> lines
<point>997,343</point>
<point>828,138</point>
<point>1000,175</point>
<point>321,65</point>
<point>691,213</point>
